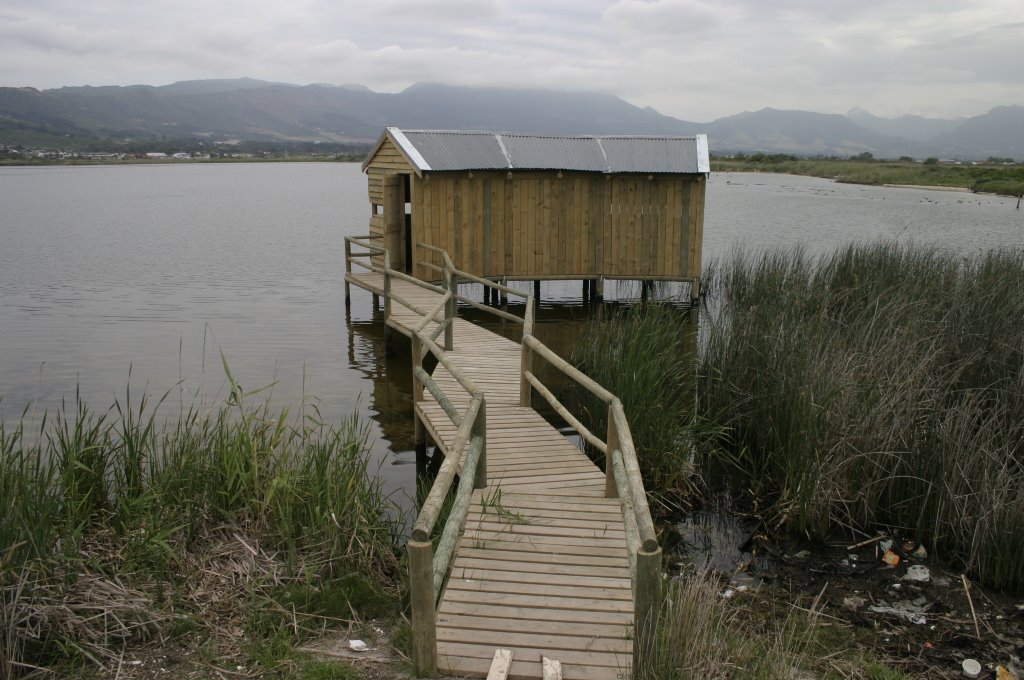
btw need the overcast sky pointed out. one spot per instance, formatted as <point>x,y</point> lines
<point>690,59</point>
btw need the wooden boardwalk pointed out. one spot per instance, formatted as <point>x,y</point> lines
<point>542,566</point>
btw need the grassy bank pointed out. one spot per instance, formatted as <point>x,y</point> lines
<point>1007,180</point>
<point>879,385</point>
<point>236,530</point>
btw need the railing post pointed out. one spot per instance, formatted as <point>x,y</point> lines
<point>526,365</point>
<point>451,309</point>
<point>388,338</point>
<point>387,285</point>
<point>480,430</point>
<point>421,592</point>
<point>646,609</point>
<point>419,431</point>
<point>610,488</point>
<point>348,270</point>
<point>526,355</point>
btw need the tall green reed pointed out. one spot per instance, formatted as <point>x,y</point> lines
<point>880,384</point>
<point>644,356</point>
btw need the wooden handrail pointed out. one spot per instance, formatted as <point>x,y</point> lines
<point>493,284</point>
<point>431,507</point>
<point>645,525</point>
<point>455,371</point>
<point>435,390</point>
<point>562,411</point>
<point>431,315</point>
<point>628,511</point>
<point>459,511</point>
<point>491,310</point>
<point>568,369</point>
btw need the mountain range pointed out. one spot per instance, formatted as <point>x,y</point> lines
<point>255,110</point>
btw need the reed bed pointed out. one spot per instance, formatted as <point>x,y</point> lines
<point>645,356</point>
<point>882,384</point>
<point>118,528</point>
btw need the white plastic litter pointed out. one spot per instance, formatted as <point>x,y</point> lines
<point>917,573</point>
<point>972,668</point>
<point>357,645</point>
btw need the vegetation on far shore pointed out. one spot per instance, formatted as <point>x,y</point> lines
<point>113,152</point>
<point>996,176</point>
<point>233,533</point>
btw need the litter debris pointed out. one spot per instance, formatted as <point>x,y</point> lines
<point>853,602</point>
<point>357,646</point>
<point>917,573</point>
<point>920,553</point>
<point>886,545</point>
<point>911,611</point>
<point>891,558</point>
<point>876,539</point>
<point>803,554</point>
<point>972,668</point>
<point>1002,673</point>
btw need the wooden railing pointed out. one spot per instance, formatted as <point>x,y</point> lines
<point>467,455</point>
<point>622,480</point>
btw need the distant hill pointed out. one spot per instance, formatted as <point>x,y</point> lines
<point>1000,132</point>
<point>914,128</point>
<point>255,110</point>
<point>772,130</point>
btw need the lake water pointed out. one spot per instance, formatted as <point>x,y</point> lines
<point>145,274</point>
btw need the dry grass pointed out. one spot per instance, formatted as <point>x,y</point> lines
<point>254,528</point>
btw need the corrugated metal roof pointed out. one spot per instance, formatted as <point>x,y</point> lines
<point>530,152</point>
<point>639,154</point>
<point>451,150</point>
<point>440,150</point>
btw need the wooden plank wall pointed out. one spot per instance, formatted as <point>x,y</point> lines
<point>388,160</point>
<point>577,225</point>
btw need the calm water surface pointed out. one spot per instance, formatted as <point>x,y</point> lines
<point>145,274</point>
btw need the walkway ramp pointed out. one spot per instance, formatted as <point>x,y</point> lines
<point>536,556</point>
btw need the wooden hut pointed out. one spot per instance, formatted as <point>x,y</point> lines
<point>516,206</point>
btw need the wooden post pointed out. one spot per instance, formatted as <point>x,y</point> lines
<point>480,430</point>
<point>644,289</point>
<point>695,290</point>
<point>348,270</point>
<point>451,310</point>
<point>424,624</point>
<point>504,295</point>
<point>536,290</point>
<point>586,290</point>
<point>610,488</point>
<point>600,288</point>
<point>419,431</point>
<point>389,343</point>
<point>525,365</point>
<point>646,609</point>
<point>376,301</point>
